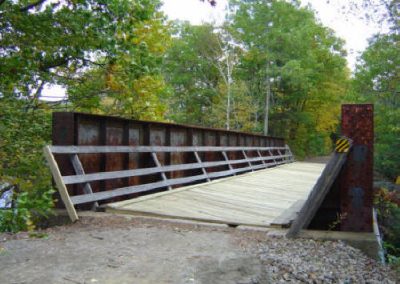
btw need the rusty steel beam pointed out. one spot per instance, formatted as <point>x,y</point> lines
<point>71,128</point>
<point>356,192</point>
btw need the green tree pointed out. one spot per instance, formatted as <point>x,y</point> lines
<point>190,71</point>
<point>377,80</point>
<point>295,71</point>
<point>95,49</point>
<point>107,54</point>
<point>23,134</point>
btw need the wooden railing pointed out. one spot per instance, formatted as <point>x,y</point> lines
<point>322,187</point>
<point>253,158</point>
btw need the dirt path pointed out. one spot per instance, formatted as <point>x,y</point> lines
<point>120,250</point>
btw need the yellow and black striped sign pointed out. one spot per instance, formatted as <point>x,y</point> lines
<point>342,145</point>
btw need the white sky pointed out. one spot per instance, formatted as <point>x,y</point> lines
<point>348,27</point>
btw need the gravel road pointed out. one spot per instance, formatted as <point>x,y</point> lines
<point>112,249</point>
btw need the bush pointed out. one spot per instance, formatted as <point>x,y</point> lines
<point>387,204</point>
<point>24,131</point>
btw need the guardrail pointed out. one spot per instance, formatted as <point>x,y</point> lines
<point>322,187</point>
<point>261,158</point>
<point>81,129</point>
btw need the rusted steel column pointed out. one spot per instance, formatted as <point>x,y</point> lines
<point>356,194</point>
<point>63,134</point>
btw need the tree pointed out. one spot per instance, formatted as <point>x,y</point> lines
<point>200,69</point>
<point>377,80</point>
<point>190,71</point>
<point>107,54</point>
<point>108,47</point>
<point>296,63</point>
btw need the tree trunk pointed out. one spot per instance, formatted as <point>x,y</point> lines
<point>266,112</point>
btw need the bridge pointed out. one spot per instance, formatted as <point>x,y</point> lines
<point>242,179</point>
<point>269,197</point>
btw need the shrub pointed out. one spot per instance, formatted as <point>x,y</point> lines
<point>388,209</point>
<point>24,131</point>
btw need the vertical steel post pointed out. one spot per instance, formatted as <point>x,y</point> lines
<point>356,192</point>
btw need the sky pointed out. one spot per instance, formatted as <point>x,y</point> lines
<point>351,28</point>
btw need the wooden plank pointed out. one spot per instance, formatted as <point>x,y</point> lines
<point>272,155</point>
<point>171,207</point>
<point>196,202</point>
<point>149,149</point>
<point>157,162</point>
<point>266,200</point>
<point>77,165</point>
<point>227,160</point>
<point>318,194</point>
<point>240,201</point>
<point>97,196</point>
<point>85,198</point>
<point>230,200</point>
<point>190,218</point>
<point>199,162</point>
<point>290,154</point>
<point>288,215</point>
<point>62,189</point>
<point>238,170</point>
<point>225,173</point>
<point>176,191</point>
<point>284,194</point>
<point>74,179</point>
<point>238,192</point>
<point>201,206</point>
<point>189,206</point>
<point>259,154</point>
<point>247,159</point>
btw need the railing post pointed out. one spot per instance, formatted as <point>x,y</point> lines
<point>245,156</point>
<point>226,159</point>
<point>289,152</point>
<point>200,162</point>
<point>272,155</point>
<point>259,154</point>
<point>76,163</point>
<point>157,162</point>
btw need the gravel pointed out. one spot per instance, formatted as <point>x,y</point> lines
<point>310,261</point>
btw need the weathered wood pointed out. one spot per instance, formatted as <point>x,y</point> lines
<point>247,159</point>
<point>289,153</point>
<point>199,162</point>
<point>273,156</point>
<point>85,198</point>
<point>259,154</point>
<point>232,200</point>
<point>318,194</point>
<point>149,149</point>
<point>227,160</point>
<point>97,196</point>
<point>224,173</point>
<point>157,162</point>
<point>89,196</point>
<point>74,179</point>
<point>287,216</point>
<point>77,165</point>
<point>62,189</point>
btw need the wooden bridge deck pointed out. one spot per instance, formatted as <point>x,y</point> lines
<point>262,198</point>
